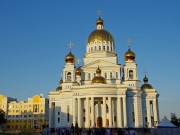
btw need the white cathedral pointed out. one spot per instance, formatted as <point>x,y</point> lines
<point>103,93</point>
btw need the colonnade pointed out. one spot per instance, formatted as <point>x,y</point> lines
<point>111,111</point>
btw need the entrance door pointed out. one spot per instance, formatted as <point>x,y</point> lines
<point>99,121</point>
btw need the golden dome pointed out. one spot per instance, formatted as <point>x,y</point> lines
<point>98,78</point>
<point>129,55</point>
<point>146,86</point>
<point>59,88</point>
<point>78,71</point>
<point>100,35</point>
<point>70,58</point>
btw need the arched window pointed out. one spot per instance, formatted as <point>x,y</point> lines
<point>69,76</point>
<point>108,48</point>
<point>105,75</point>
<point>116,75</point>
<point>111,75</point>
<point>130,74</point>
<point>111,47</point>
<point>89,76</point>
<point>91,49</point>
<point>103,47</point>
<point>95,48</point>
<point>99,48</point>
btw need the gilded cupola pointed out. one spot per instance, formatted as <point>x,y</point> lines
<point>70,58</point>
<point>129,55</point>
<point>146,85</point>
<point>59,88</point>
<point>100,34</point>
<point>98,78</point>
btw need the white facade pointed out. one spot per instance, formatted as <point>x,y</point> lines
<point>113,97</point>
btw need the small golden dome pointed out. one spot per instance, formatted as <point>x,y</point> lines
<point>146,86</point>
<point>129,55</point>
<point>70,58</point>
<point>59,88</point>
<point>99,21</point>
<point>98,78</point>
<point>78,71</point>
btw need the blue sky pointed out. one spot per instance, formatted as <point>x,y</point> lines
<point>34,37</point>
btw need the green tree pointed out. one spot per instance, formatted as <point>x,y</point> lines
<point>175,120</point>
<point>2,117</point>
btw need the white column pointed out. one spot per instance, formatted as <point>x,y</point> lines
<point>92,112</point>
<point>118,112</point>
<point>148,113</point>
<point>74,111</point>
<point>155,112</point>
<point>110,112</point>
<point>104,111</point>
<point>79,112</point>
<point>124,112</point>
<point>87,112</point>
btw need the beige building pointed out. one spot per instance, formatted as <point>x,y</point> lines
<point>4,101</point>
<point>29,114</point>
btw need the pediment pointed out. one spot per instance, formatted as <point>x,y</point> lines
<point>100,63</point>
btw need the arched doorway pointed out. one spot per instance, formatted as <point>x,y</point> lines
<point>99,121</point>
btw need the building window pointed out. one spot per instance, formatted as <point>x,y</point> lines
<point>116,75</point>
<point>58,113</point>
<point>94,74</point>
<point>108,48</point>
<point>130,74</point>
<point>58,119</point>
<point>105,75</point>
<point>103,47</point>
<point>111,75</point>
<point>69,76</point>
<point>99,48</point>
<point>91,49</point>
<point>95,48</point>
<point>89,76</point>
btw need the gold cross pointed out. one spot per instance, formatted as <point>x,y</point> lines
<point>129,42</point>
<point>78,61</point>
<point>99,12</point>
<point>70,45</point>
